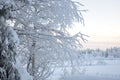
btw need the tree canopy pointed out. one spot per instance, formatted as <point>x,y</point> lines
<point>42,29</point>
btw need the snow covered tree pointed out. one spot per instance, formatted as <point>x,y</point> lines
<point>8,44</point>
<point>42,27</point>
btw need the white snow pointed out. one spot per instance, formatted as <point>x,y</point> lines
<point>12,36</point>
<point>110,71</point>
<point>23,73</point>
<point>87,77</point>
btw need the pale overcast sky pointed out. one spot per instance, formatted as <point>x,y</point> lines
<point>102,23</point>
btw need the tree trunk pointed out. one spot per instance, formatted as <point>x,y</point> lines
<point>33,66</point>
<point>31,61</point>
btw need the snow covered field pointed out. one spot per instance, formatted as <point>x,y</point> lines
<point>109,70</point>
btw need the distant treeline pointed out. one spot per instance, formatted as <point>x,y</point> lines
<point>108,53</point>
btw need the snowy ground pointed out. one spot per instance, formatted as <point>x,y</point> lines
<point>102,70</point>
